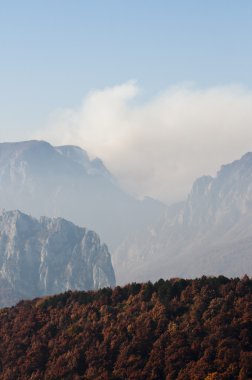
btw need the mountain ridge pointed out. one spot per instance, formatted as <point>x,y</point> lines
<point>40,179</point>
<point>205,234</point>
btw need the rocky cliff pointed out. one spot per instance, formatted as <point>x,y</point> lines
<point>48,256</point>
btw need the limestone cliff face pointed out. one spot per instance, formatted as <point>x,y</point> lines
<point>47,256</point>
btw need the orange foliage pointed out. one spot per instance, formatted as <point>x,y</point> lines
<point>178,329</point>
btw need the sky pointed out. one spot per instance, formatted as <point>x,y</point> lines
<point>160,90</point>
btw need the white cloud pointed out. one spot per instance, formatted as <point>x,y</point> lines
<point>160,147</point>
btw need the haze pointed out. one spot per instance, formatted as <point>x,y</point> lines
<point>160,147</point>
<point>160,92</point>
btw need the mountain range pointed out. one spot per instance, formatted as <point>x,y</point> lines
<point>40,179</point>
<point>208,233</point>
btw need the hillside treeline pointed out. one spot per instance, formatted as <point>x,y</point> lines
<point>178,329</point>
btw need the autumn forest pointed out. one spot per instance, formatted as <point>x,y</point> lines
<point>177,329</point>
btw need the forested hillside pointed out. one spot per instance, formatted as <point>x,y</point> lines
<point>177,329</point>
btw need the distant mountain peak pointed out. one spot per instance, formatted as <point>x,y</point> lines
<point>72,151</point>
<point>209,233</point>
<point>40,179</point>
<point>80,156</point>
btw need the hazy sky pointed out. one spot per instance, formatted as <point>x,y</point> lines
<point>160,90</point>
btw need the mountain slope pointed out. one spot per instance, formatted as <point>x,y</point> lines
<point>209,233</point>
<point>48,256</point>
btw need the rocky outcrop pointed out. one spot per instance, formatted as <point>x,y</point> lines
<point>48,256</point>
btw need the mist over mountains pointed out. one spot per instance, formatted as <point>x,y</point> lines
<point>40,179</point>
<point>209,233</point>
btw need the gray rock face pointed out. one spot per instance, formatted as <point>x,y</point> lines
<point>48,256</point>
<point>210,233</point>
